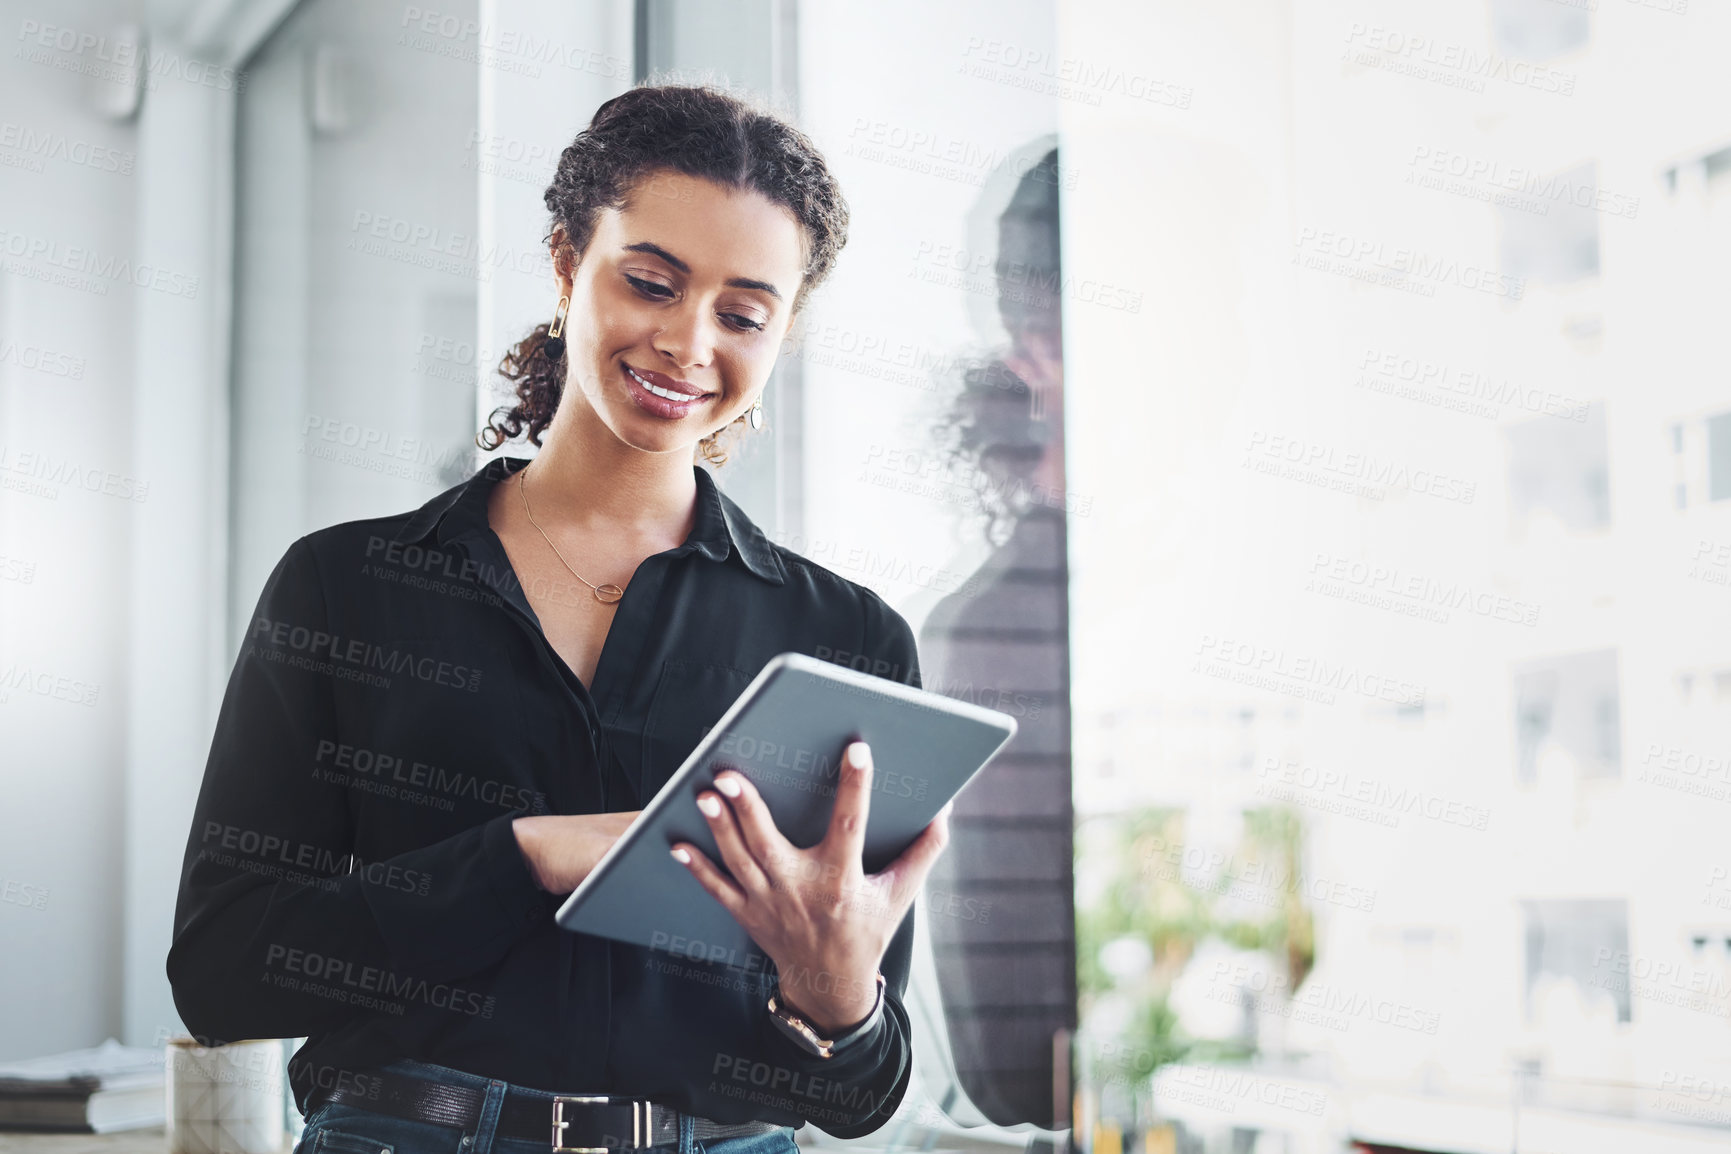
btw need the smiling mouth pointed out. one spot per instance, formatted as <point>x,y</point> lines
<point>657,390</point>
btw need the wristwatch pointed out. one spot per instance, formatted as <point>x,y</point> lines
<point>805,1035</point>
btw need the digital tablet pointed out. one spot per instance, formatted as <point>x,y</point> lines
<point>786,733</point>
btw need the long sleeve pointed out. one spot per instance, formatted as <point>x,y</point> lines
<point>271,937</point>
<point>856,1091</point>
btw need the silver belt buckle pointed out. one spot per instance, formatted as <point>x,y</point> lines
<point>642,1119</point>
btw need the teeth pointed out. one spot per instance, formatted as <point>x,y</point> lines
<point>668,393</point>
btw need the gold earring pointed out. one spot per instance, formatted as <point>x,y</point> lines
<point>554,345</point>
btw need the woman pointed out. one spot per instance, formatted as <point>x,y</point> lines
<point>440,720</point>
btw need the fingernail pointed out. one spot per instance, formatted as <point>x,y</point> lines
<point>727,785</point>
<point>709,806</point>
<point>860,754</point>
<point>680,856</point>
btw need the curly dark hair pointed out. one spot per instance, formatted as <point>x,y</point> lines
<point>700,130</point>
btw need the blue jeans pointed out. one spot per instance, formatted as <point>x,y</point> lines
<point>339,1128</point>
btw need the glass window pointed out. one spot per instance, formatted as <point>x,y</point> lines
<point>1559,471</point>
<point>1576,952</point>
<point>1550,225</point>
<point>1719,457</point>
<point>1568,706</point>
<point>1540,29</point>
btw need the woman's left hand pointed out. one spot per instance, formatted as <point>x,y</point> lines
<point>819,916</point>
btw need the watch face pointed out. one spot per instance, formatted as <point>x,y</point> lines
<point>806,1040</point>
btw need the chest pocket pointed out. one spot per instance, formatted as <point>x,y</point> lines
<point>689,699</point>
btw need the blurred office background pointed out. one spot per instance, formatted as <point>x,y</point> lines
<point>1307,417</point>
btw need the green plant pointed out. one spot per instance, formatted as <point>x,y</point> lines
<point>1149,896</point>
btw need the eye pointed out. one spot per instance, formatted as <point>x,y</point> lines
<point>660,292</point>
<point>649,288</point>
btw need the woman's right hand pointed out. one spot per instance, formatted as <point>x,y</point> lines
<point>561,849</point>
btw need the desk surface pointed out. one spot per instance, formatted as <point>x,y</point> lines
<point>153,1140</point>
<point>150,1140</point>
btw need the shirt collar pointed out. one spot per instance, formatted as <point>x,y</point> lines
<point>721,525</point>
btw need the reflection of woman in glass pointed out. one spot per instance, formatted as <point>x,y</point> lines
<point>440,720</point>
<point>1003,641</point>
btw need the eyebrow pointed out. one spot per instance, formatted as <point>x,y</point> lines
<point>744,282</point>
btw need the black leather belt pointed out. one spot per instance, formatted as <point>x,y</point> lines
<point>568,1123</point>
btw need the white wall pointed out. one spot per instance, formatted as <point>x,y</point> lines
<point>115,605</point>
<point>69,178</point>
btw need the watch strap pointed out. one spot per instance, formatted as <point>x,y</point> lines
<point>865,1027</point>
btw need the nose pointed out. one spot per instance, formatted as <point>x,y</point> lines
<point>688,338</point>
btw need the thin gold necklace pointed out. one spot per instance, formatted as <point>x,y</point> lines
<point>607,594</point>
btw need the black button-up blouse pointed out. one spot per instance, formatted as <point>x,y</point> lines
<point>351,875</point>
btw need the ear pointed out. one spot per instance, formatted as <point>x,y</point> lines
<point>564,259</point>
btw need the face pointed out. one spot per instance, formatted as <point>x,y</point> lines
<point>678,309</point>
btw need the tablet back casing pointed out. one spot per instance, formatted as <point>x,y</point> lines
<point>786,733</point>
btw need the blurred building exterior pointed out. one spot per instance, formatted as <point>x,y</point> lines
<point>1444,572</point>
